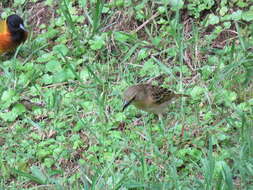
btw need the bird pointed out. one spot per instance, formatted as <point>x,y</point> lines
<point>150,98</point>
<point>12,33</point>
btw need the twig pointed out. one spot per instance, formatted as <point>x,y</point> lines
<point>146,22</point>
<point>188,61</point>
<point>55,85</point>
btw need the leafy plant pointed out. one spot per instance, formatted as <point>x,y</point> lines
<point>61,119</point>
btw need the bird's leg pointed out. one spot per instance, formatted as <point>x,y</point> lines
<point>182,131</point>
<point>160,116</point>
<point>161,125</point>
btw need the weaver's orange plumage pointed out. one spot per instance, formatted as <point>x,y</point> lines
<point>12,33</point>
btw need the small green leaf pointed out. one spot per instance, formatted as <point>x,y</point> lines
<point>84,74</point>
<point>223,11</point>
<point>247,16</point>
<point>206,71</point>
<point>225,96</point>
<point>19,109</point>
<point>242,4</point>
<point>156,41</point>
<point>36,172</point>
<point>120,116</point>
<point>61,48</point>
<point>121,36</point>
<point>142,54</point>
<point>213,19</point>
<point>45,57</point>
<point>18,3</point>
<point>227,25</point>
<point>8,116</point>
<point>162,9</point>
<point>236,15</point>
<point>147,67</point>
<point>97,43</point>
<point>48,162</point>
<point>197,91</point>
<point>176,4</point>
<point>9,96</point>
<point>47,79</point>
<point>43,153</point>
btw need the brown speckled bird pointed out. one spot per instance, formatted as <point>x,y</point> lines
<point>150,98</point>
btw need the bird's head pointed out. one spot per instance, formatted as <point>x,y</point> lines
<point>133,94</point>
<point>15,23</point>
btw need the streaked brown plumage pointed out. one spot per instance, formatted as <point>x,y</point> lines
<point>150,98</point>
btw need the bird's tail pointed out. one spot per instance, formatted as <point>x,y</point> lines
<point>182,95</point>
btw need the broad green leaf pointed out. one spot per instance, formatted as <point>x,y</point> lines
<point>53,66</point>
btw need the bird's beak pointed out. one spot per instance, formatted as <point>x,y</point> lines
<point>22,27</point>
<point>126,104</point>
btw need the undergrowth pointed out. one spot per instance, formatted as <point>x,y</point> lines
<point>61,119</point>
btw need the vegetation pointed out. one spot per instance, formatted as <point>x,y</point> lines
<point>61,124</point>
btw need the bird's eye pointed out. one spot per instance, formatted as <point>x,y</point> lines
<point>132,99</point>
<point>15,24</point>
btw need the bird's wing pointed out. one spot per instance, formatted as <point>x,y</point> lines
<point>161,95</point>
<point>3,26</point>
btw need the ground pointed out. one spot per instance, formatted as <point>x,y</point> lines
<point>61,119</point>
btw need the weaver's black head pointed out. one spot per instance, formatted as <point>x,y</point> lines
<point>16,27</point>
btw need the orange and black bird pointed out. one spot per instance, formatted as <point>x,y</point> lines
<point>12,33</point>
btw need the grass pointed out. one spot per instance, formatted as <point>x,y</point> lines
<point>61,119</point>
